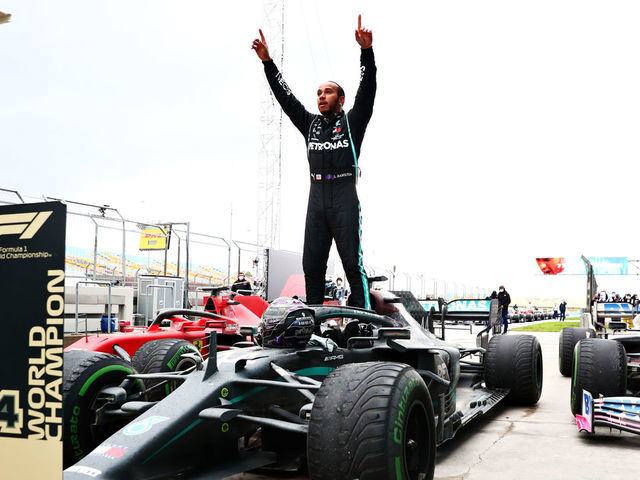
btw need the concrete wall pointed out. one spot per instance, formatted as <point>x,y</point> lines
<point>92,304</point>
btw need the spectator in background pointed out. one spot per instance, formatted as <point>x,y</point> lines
<point>241,285</point>
<point>555,311</point>
<point>329,289</point>
<point>504,299</point>
<point>339,291</point>
<point>603,296</point>
<point>563,310</point>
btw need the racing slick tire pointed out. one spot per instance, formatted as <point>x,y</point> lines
<point>515,362</point>
<point>372,421</point>
<point>600,368</point>
<point>569,337</point>
<point>85,374</point>
<point>160,356</point>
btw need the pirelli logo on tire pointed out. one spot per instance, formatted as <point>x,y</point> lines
<point>24,224</point>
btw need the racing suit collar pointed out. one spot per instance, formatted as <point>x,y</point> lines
<point>333,117</point>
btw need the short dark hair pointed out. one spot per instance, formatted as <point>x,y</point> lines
<point>340,89</point>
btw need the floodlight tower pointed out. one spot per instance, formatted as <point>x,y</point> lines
<point>270,162</point>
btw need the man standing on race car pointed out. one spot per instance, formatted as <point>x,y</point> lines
<point>333,141</point>
<point>504,299</point>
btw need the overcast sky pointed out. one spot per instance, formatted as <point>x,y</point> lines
<point>501,131</point>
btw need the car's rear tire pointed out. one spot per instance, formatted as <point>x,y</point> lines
<point>600,368</point>
<point>569,337</point>
<point>85,374</point>
<point>159,356</point>
<point>372,421</point>
<point>515,362</point>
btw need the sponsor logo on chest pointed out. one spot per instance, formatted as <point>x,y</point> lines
<point>329,145</point>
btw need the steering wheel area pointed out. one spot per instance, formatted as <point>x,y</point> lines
<point>323,313</point>
<point>356,322</point>
<point>175,312</point>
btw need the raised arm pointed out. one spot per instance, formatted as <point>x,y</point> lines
<point>289,103</point>
<point>365,96</point>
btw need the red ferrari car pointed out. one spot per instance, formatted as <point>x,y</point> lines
<point>232,317</point>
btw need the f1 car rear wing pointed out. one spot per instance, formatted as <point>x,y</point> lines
<point>472,310</point>
<point>614,316</point>
<point>622,413</point>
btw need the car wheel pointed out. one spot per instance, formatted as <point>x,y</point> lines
<point>569,337</point>
<point>370,421</point>
<point>85,374</point>
<point>159,356</point>
<point>515,362</point>
<point>600,368</point>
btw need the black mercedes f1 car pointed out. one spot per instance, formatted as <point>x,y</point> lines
<point>343,392</point>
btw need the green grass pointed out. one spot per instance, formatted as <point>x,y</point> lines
<point>546,327</point>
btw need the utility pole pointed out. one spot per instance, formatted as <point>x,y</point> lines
<point>270,166</point>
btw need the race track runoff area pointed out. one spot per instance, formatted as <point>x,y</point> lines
<point>529,444</point>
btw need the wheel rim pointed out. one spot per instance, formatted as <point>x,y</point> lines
<point>539,369</point>
<point>99,428</point>
<point>416,441</point>
<point>184,364</point>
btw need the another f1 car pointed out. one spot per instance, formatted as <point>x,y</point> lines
<point>233,317</point>
<point>603,359</point>
<point>350,393</point>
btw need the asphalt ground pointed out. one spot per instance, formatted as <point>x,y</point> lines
<point>540,442</point>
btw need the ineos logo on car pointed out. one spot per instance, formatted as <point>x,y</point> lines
<point>143,425</point>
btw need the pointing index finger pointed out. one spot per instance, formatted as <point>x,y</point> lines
<point>359,22</point>
<point>261,35</point>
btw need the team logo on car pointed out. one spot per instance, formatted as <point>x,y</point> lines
<point>143,425</point>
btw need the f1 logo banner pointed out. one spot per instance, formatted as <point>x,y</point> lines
<point>32,252</point>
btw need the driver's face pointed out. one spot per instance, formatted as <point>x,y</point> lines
<point>328,100</point>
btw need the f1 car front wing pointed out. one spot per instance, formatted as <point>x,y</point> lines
<point>622,413</point>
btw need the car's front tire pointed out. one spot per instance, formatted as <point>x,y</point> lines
<point>372,421</point>
<point>600,368</point>
<point>163,356</point>
<point>85,374</point>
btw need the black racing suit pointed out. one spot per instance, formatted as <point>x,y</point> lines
<point>333,211</point>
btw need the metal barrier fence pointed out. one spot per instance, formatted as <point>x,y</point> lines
<point>106,225</point>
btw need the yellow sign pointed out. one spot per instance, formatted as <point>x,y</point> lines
<point>153,239</point>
